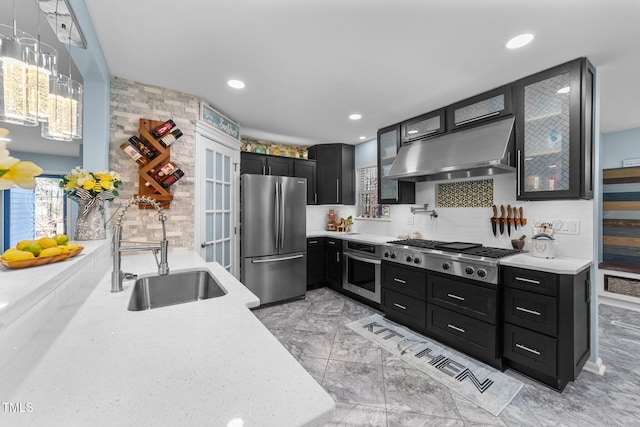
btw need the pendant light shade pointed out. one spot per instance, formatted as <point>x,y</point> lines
<point>39,78</point>
<point>18,52</point>
<point>60,110</point>
<point>76,109</point>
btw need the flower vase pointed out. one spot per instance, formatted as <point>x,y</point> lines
<point>90,225</point>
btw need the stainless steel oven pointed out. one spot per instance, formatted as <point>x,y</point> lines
<point>361,273</point>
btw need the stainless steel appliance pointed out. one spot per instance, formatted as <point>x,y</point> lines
<point>361,274</point>
<point>470,260</point>
<point>273,236</point>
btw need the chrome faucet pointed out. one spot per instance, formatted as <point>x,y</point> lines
<point>163,266</point>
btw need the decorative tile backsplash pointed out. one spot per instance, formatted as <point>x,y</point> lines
<point>466,194</point>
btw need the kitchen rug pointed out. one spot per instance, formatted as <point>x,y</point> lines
<point>483,385</point>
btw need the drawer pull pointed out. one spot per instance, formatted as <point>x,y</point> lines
<point>530,350</point>
<point>522,279</point>
<point>395,279</point>
<point>331,242</point>
<point>526,310</point>
<point>455,328</point>
<point>455,297</point>
<point>399,306</point>
<point>313,242</point>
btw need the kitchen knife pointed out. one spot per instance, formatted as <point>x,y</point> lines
<point>494,218</point>
<point>523,220</point>
<point>501,219</point>
<point>509,220</point>
<point>516,219</point>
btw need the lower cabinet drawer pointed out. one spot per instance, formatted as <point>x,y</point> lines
<point>466,298</point>
<point>404,280</point>
<point>464,333</point>
<point>532,311</point>
<point>531,349</point>
<point>404,309</point>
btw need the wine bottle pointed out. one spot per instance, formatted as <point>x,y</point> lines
<point>170,138</point>
<point>133,154</point>
<point>163,129</point>
<point>141,147</point>
<point>171,179</point>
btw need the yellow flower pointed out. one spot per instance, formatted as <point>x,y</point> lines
<point>6,161</point>
<point>88,184</point>
<point>106,184</point>
<point>21,174</point>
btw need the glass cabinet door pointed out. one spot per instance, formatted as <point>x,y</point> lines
<point>424,126</point>
<point>546,144</point>
<point>480,108</point>
<point>387,152</point>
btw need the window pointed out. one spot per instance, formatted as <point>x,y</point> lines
<point>367,190</point>
<point>32,214</point>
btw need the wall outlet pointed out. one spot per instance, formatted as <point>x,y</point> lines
<point>410,219</point>
<point>570,226</point>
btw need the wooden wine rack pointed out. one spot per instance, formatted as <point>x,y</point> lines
<point>163,197</point>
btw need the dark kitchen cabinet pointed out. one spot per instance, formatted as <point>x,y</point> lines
<point>333,263</point>
<point>464,314</point>
<point>315,262</point>
<point>554,133</point>
<point>423,126</point>
<point>404,291</point>
<point>391,191</point>
<point>261,164</point>
<point>546,333</point>
<point>480,108</point>
<point>307,169</point>
<point>335,173</point>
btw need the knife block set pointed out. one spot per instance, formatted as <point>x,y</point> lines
<point>513,218</point>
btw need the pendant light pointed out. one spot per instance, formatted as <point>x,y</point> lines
<point>58,125</point>
<point>18,51</point>
<point>76,97</point>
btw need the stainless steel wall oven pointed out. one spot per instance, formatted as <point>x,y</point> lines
<point>361,273</point>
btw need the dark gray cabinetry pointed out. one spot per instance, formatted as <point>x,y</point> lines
<point>335,173</point>
<point>307,169</point>
<point>333,263</point>
<point>404,293</point>
<point>391,191</point>
<point>554,133</point>
<point>546,324</point>
<point>464,316</point>
<point>315,262</point>
<point>480,108</point>
<point>423,126</point>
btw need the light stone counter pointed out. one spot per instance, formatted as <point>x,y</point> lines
<point>354,237</point>
<point>560,265</point>
<point>201,363</point>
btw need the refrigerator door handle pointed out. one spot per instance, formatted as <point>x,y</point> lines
<point>287,258</point>
<point>276,221</point>
<point>282,215</point>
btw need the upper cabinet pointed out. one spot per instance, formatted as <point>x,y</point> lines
<point>335,173</point>
<point>423,126</point>
<point>391,191</point>
<point>307,169</point>
<point>554,133</point>
<point>480,108</point>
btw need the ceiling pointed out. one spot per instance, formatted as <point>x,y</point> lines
<point>309,64</point>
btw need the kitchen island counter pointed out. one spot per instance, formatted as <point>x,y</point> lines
<point>208,362</point>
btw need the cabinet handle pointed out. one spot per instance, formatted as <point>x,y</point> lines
<point>337,256</point>
<point>526,310</point>
<point>315,197</point>
<point>337,191</point>
<point>455,297</point>
<point>269,170</point>
<point>518,170</point>
<point>331,242</point>
<point>530,350</point>
<point>455,328</point>
<point>522,279</point>
<point>395,279</point>
<point>475,119</point>
<point>313,242</point>
<point>399,306</point>
<point>264,170</point>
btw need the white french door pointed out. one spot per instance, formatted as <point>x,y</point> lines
<point>217,184</point>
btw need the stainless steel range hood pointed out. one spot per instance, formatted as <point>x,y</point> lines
<point>481,151</point>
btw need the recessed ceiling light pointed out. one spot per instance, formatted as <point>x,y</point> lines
<point>363,137</point>
<point>519,41</point>
<point>236,84</point>
<point>565,89</point>
<point>5,139</point>
<point>355,116</point>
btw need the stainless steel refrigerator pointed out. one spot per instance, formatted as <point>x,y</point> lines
<point>273,236</point>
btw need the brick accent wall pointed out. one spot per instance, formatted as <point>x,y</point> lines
<point>130,101</point>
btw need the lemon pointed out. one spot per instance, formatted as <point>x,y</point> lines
<point>21,244</point>
<point>61,239</point>
<point>47,242</point>
<point>64,248</point>
<point>16,255</point>
<point>72,246</point>
<point>35,249</point>
<point>50,252</point>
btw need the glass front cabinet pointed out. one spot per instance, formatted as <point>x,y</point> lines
<point>554,133</point>
<point>424,126</point>
<point>391,191</point>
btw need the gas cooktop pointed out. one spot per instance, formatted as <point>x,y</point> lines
<point>470,260</point>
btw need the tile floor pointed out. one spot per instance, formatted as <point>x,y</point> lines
<point>371,387</point>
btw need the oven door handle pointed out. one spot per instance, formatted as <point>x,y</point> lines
<point>367,260</point>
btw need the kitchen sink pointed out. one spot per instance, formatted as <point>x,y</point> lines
<point>177,287</point>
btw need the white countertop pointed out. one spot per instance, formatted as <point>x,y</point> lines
<point>354,237</point>
<point>560,265</point>
<point>200,363</point>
